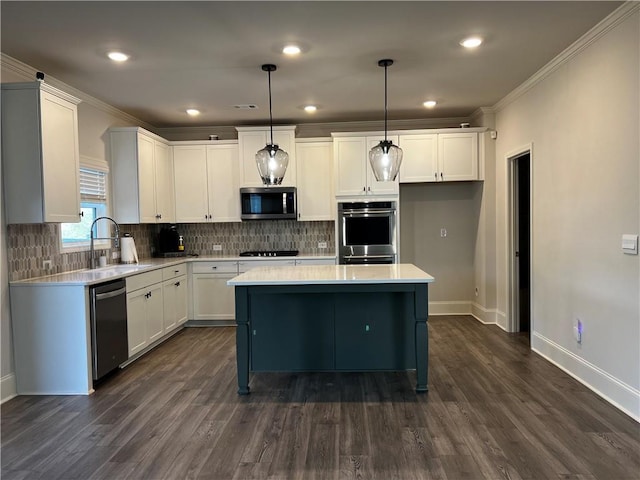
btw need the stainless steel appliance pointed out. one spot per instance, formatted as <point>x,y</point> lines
<point>367,232</point>
<point>109,342</point>
<point>268,203</point>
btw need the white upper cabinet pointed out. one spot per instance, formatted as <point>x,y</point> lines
<point>315,179</point>
<point>352,172</point>
<point>206,183</point>
<point>222,179</point>
<point>439,157</point>
<point>458,156</point>
<point>253,139</point>
<point>419,158</point>
<point>40,155</point>
<point>141,169</point>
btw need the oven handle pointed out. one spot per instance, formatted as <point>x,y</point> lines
<point>359,257</point>
<point>362,213</point>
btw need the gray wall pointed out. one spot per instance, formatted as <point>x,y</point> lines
<point>424,210</point>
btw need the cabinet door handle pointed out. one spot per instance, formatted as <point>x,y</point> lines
<point>364,189</point>
<point>81,214</point>
<point>369,188</point>
<point>435,176</point>
<point>177,284</point>
<point>441,176</point>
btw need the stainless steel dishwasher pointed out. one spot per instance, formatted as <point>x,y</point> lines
<point>109,342</point>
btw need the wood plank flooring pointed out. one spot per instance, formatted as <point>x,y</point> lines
<point>494,410</point>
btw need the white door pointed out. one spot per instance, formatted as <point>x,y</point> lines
<point>190,177</point>
<point>349,167</point>
<point>146,180</point>
<point>223,185</point>
<point>419,159</point>
<point>249,143</point>
<point>155,313</point>
<point>60,159</point>
<point>315,177</point>
<point>165,204</point>
<point>458,156</point>
<point>136,321</point>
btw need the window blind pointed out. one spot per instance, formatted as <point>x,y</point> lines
<point>93,185</point>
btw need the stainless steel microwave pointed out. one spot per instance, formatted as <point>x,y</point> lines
<point>268,203</point>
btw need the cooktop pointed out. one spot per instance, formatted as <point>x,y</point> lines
<point>270,253</point>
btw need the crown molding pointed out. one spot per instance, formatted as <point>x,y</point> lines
<point>611,21</point>
<point>29,74</point>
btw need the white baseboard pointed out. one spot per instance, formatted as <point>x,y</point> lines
<point>483,315</point>
<point>619,394</point>
<point>8,388</point>
<point>450,308</point>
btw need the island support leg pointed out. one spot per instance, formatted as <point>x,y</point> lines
<point>242,339</point>
<point>421,305</point>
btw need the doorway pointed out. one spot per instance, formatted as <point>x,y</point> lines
<point>520,251</point>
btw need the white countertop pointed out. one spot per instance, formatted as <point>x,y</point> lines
<point>89,277</point>
<point>332,274</point>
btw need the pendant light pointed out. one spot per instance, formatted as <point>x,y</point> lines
<point>385,158</point>
<point>272,161</point>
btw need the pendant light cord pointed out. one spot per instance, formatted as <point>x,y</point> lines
<point>385,103</point>
<point>270,114</point>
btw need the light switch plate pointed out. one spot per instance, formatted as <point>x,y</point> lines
<point>630,244</point>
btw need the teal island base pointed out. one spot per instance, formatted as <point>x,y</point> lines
<point>335,327</point>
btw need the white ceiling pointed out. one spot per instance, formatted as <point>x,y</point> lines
<point>208,54</point>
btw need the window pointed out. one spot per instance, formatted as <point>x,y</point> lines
<point>93,204</point>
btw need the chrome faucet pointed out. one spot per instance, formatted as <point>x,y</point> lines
<point>116,239</point>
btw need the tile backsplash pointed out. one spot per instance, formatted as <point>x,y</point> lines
<point>29,245</point>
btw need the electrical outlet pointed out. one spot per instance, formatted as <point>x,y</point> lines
<point>477,291</point>
<point>115,255</point>
<point>46,264</point>
<point>443,232</point>
<point>322,244</point>
<point>217,248</point>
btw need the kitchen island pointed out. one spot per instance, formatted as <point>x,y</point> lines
<point>332,318</point>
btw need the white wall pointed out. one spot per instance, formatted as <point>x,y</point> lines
<point>583,122</point>
<point>94,119</point>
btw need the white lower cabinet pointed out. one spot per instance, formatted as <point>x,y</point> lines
<point>213,299</point>
<point>174,296</point>
<point>145,310</point>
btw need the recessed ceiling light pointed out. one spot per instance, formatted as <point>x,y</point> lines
<point>310,108</point>
<point>430,103</point>
<point>471,42</point>
<point>193,112</point>
<point>291,50</point>
<point>118,56</point>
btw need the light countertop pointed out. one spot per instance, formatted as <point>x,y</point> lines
<point>332,274</point>
<point>89,277</point>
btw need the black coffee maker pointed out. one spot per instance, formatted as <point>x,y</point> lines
<point>169,243</point>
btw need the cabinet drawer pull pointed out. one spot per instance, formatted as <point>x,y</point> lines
<point>177,284</point>
<point>214,268</point>
<point>176,271</point>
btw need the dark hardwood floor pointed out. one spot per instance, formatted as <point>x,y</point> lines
<point>494,410</point>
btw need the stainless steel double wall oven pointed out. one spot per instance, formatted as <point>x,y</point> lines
<point>367,232</point>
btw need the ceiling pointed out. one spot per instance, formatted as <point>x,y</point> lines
<point>208,54</point>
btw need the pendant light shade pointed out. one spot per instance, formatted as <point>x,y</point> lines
<point>271,161</point>
<point>385,158</point>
